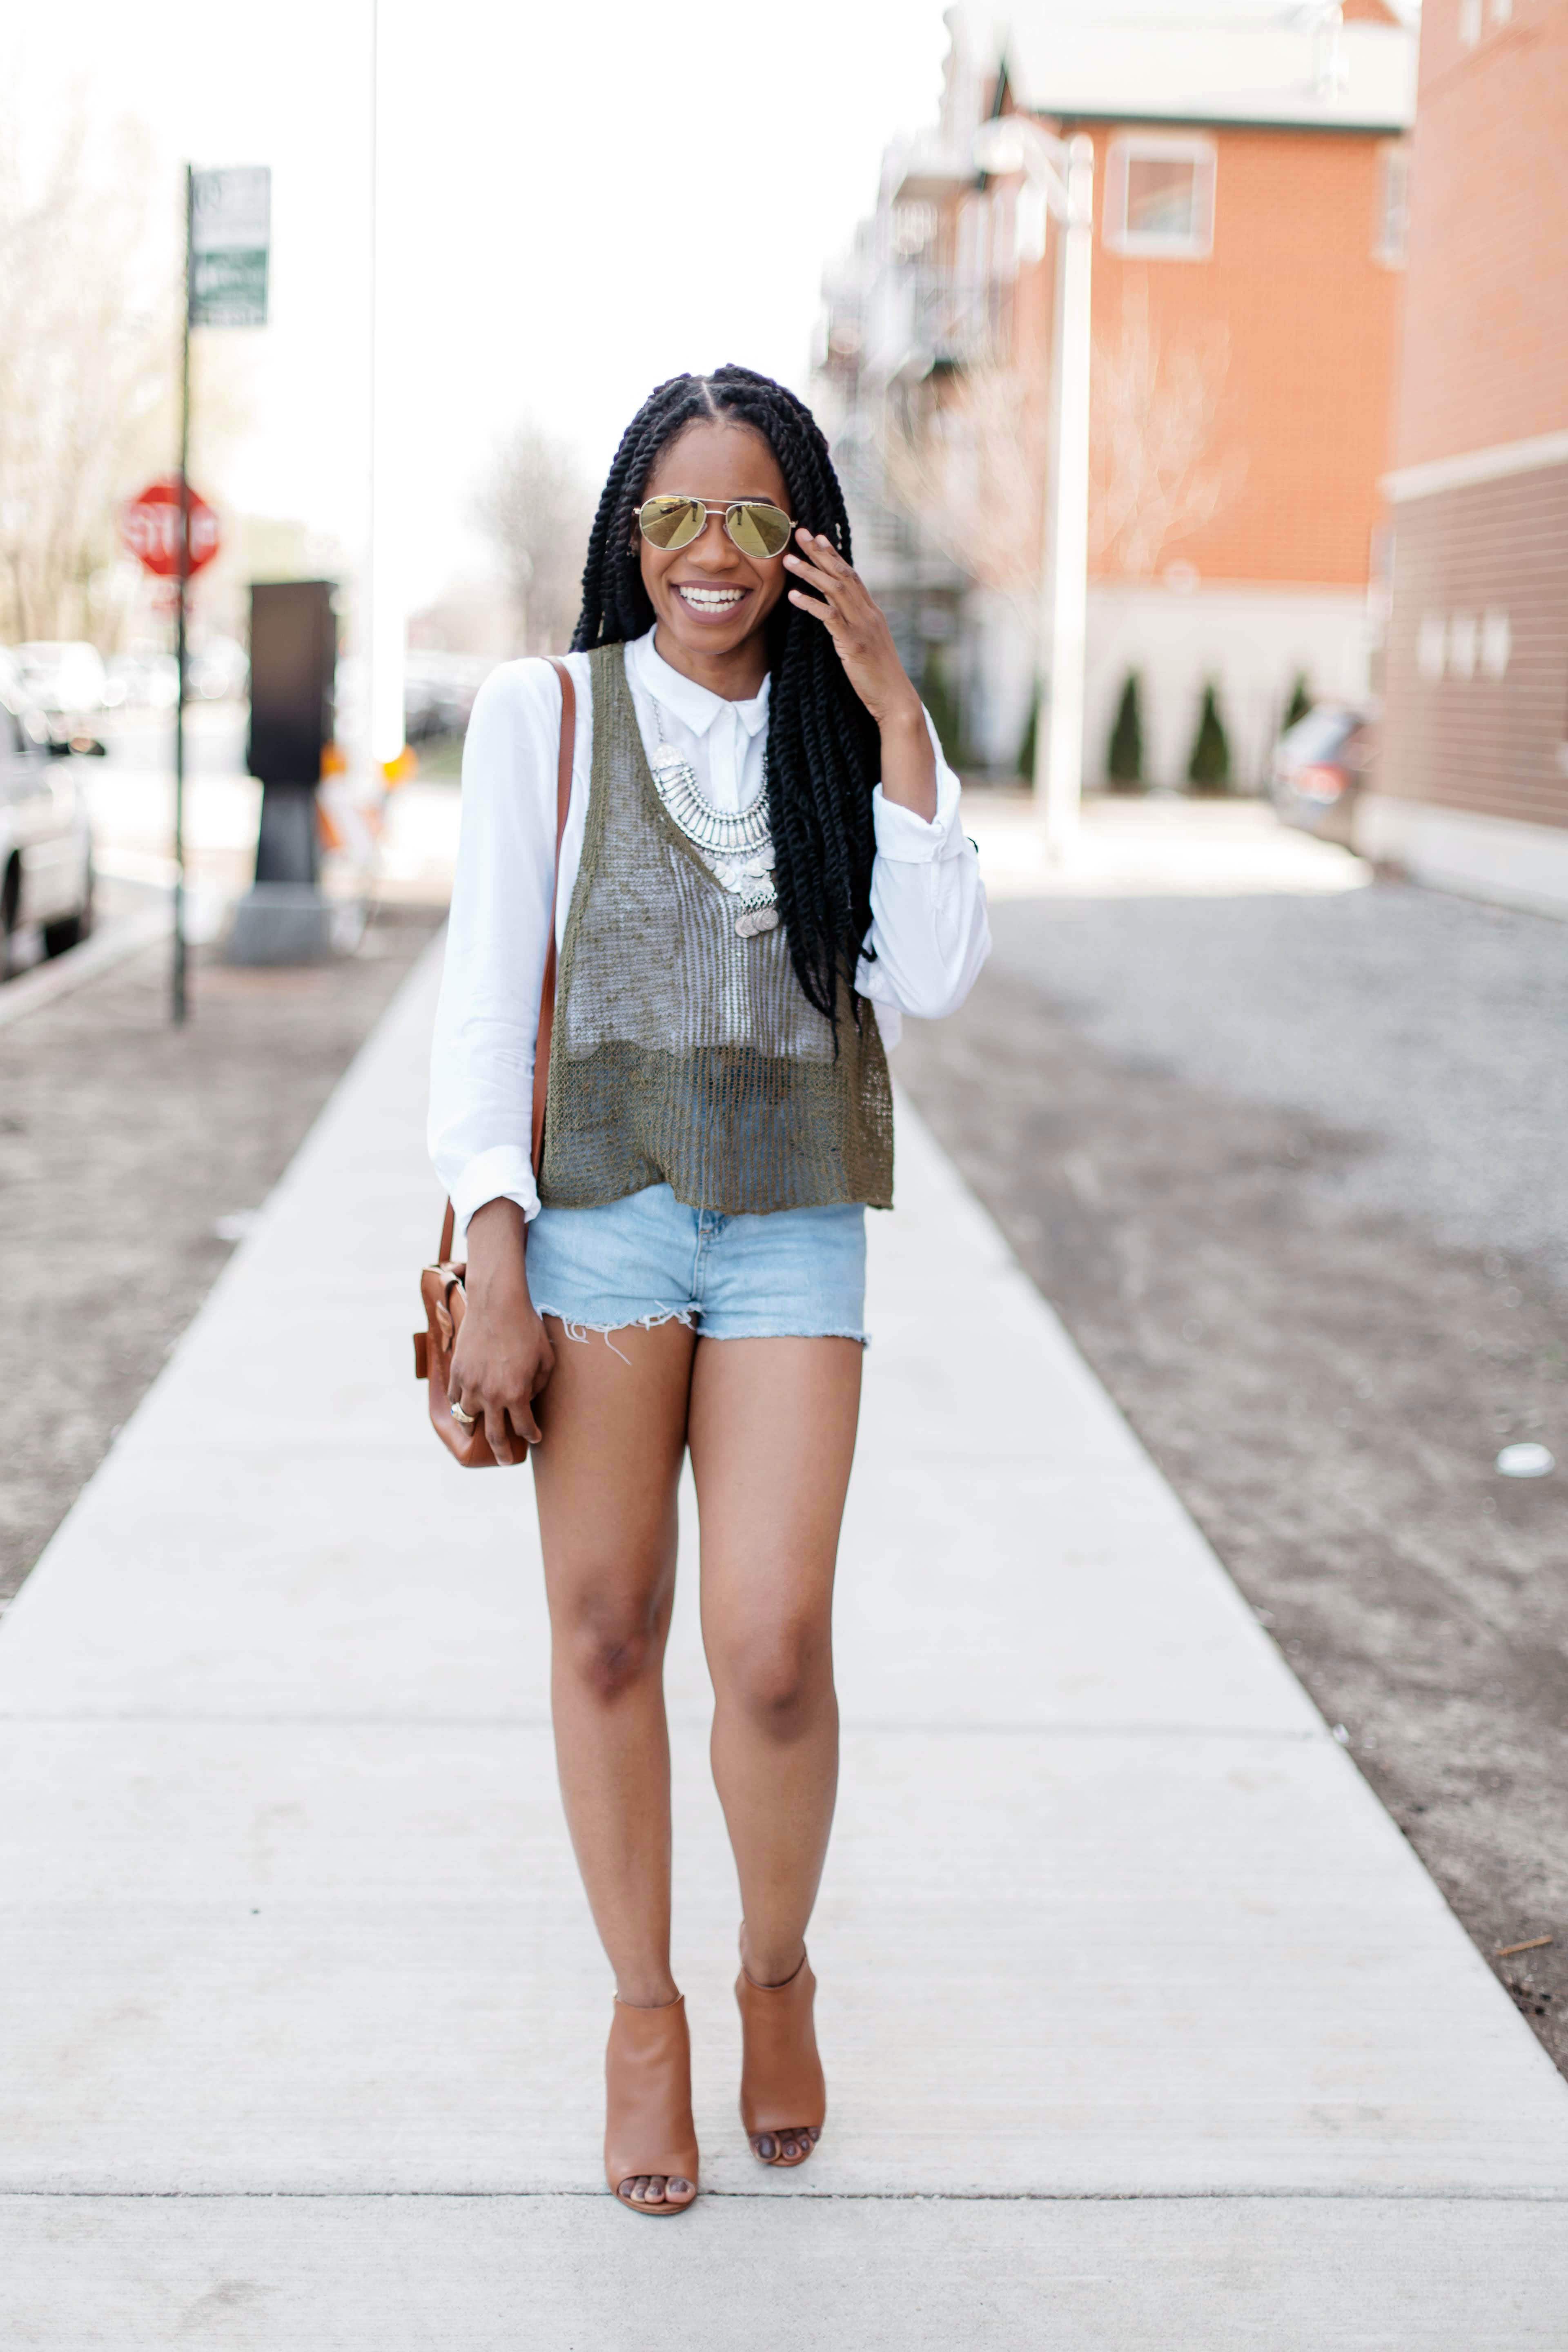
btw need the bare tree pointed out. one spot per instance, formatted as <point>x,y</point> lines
<point>536,508</point>
<point>1154,428</point>
<point>87,352</point>
<point>971,462</point>
<point>972,467</point>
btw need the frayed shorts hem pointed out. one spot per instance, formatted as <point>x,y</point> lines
<point>578,1327</point>
<point>705,1327</point>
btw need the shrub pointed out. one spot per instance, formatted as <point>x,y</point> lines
<point>1031,736</point>
<point>1301,702</point>
<point>1208,768</point>
<point>941,699</point>
<point>1124,761</point>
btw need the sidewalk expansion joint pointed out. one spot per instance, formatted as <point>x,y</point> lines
<point>849,1727</point>
<point>1472,2195</point>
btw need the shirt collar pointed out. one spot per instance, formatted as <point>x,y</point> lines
<point>692,704</point>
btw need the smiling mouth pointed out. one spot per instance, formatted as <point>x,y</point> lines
<point>711,603</point>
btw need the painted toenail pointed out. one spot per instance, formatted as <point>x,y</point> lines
<point>765,2145</point>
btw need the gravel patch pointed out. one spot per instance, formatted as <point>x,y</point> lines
<point>129,1153</point>
<point>1434,1026</point>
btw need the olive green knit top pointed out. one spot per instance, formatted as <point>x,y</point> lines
<point>683,1054</point>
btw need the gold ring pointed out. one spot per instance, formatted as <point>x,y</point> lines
<point>458,1414</point>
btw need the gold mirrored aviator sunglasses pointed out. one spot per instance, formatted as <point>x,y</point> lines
<point>754,525</point>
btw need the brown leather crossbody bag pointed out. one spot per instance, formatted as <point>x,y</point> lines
<point>441,1285</point>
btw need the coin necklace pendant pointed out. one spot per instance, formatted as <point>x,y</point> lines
<point>736,846</point>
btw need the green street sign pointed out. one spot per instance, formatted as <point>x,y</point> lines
<point>231,231</point>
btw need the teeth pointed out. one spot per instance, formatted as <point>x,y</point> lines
<point>711,600</point>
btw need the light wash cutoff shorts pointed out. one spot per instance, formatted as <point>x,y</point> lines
<point>648,1259</point>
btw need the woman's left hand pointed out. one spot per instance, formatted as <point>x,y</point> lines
<point>856,625</point>
<point>864,643</point>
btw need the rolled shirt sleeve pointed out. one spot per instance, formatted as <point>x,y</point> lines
<point>930,936</point>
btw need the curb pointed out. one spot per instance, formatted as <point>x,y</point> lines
<point>58,978</point>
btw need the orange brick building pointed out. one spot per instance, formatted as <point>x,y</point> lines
<point>1473,778</point>
<point>1297,294</point>
<point>1250,188</point>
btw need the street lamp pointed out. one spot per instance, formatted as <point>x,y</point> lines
<point>1062,171</point>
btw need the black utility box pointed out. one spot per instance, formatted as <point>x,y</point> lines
<point>293,666</point>
<point>284,919</point>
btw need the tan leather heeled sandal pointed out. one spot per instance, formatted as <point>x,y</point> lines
<point>649,2130</point>
<point>784,2098</point>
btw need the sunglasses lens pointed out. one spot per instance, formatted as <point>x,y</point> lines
<point>757,528</point>
<point>670,524</point>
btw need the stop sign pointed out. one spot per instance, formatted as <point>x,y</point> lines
<point>150,527</point>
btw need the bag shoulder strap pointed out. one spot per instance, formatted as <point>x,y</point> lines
<point>547,992</point>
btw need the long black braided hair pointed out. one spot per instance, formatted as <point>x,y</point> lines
<point>822,743</point>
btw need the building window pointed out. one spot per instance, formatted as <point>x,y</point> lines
<point>914,229</point>
<point>1457,645</point>
<point>1158,199</point>
<point>1003,239</point>
<point>1392,232</point>
<point>974,219</point>
<point>1432,647</point>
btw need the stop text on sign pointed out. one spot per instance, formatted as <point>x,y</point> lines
<point>150,527</point>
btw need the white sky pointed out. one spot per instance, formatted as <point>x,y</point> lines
<point>577,201</point>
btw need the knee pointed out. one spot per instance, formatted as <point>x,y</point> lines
<point>608,1645</point>
<point>780,1677</point>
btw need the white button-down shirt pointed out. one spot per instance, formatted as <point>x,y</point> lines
<point>929,931</point>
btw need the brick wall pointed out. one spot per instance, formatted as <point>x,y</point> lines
<point>1485,365</point>
<point>1486,350</point>
<point>1480,586</point>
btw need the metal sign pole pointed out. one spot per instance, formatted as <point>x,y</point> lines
<point>180,979</point>
<point>228,238</point>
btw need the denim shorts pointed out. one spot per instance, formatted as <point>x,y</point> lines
<point>649,1258</point>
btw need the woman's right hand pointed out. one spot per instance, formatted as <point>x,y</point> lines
<point>503,1355</point>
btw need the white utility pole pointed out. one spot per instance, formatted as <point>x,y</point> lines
<point>1062,173</point>
<point>382,625</point>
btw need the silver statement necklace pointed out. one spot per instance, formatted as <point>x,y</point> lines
<point>736,847</point>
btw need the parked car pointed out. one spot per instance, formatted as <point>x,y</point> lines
<point>1319,766</point>
<point>45,836</point>
<point>218,671</point>
<point>438,692</point>
<point>65,684</point>
<point>141,681</point>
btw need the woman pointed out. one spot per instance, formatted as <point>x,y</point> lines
<point>761,868</point>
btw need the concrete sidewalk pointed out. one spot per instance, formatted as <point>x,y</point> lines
<point>1143,2026</point>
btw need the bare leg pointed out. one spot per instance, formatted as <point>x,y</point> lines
<point>605,1477</point>
<point>772,1438</point>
